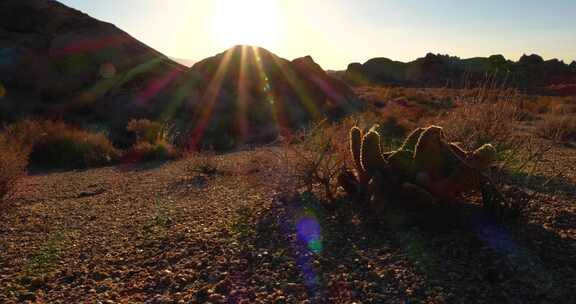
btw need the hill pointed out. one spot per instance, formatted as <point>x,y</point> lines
<point>58,62</point>
<point>248,94</point>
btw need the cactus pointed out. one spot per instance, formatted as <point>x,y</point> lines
<point>417,196</point>
<point>426,169</point>
<point>402,163</point>
<point>371,154</point>
<point>429,154</point>
<point>483,157</point>
<point>355,146</point>
<point>412,139</point>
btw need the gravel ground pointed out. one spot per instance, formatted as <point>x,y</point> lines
<point>160,233</point>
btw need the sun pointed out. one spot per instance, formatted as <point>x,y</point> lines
<point>248,22</point>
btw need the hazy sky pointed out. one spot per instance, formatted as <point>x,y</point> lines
<point>338,32</point>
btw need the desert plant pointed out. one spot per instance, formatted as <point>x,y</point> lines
<point>151,141</point>
<point>426,170</point>
<point>145,151</point>
<point>13,163</point>
<point>146,130</point>
<point>204,163</point>
<point>557,127</point>
<point>55,144</point>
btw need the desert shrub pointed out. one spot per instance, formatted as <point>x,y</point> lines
<point>475,124</point>
<point>151,141</point>
<point>146,130</point>
<point>13,162</point>
<point>145,151</point>
<point>54,144</point>
<point>557,127</point>
<point>312,159</point>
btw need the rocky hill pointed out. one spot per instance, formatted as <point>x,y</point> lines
<point>531,72</point>
<point>58,62</point>
<point>248,94</point>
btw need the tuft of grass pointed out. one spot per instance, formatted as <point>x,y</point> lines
<point>162,218</point>
<point>557,127</point>
<point>204,163</point>
<point>46,257</point>
<point>243,224</point>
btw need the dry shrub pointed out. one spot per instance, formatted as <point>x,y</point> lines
<point>312,159</point>
<point>309,160</point>
<point>146,130</point>
<point>158,151</point>
<point>520,155</point>
<point>474,124</point>
<point>13,162</point>
<point>55,144</point>
<point>151,141</point>
<point>557,127</point>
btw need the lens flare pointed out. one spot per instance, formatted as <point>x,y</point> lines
<point>107,70</point>
<point>310,233</point>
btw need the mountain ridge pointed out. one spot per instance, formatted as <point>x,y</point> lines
<point>530,72</point>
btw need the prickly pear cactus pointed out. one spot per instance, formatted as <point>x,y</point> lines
<point>371,154</point>
<point>356,146</point>
<point>412,139</point>
<point>402,162</point>
<point>483,157</point>
<point>429,154</point>
<point>426,169</point>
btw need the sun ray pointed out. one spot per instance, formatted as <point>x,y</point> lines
<point>208,101</point>
<point>275,106</point>
<point>106,85</point>
<point>303,95</point>
<point>242,100</point>
<point>154,86</point>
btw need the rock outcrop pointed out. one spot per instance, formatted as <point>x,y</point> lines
<point>531,72</point>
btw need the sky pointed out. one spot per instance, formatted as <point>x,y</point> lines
<point>338,32</point>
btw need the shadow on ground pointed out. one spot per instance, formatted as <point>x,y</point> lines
<point>342,259</point>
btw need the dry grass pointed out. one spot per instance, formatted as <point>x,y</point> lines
<point>557,127</point>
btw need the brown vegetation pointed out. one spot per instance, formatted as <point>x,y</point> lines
<point>55,144</point>
<point>13,162</point>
